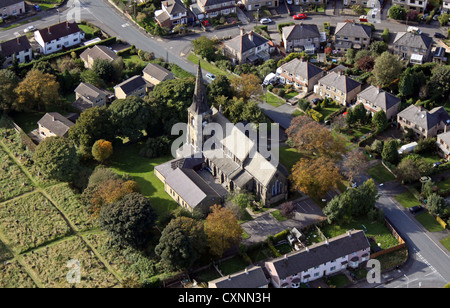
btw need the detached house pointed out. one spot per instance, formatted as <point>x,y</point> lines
<point>412,46</point>
<point>57,37</point>
<point>415,5</point>
<point>172,13</point>
<point>247,47</point>
<point>350,35</point>
<point>350,249</point>
<point>302,74</point>
<point>97,52</point>
<point>88,96</point>
<point>53,124</point>
<point>155,74</point>
<point>301,37</point>
<point>375,99</point>
<point>426,124</point>
<point>11,8</point>
<point>18,48</point>
<point>214,8</point>
<point>135,85</point>
<point>338,87</point>
<point>443,143</point>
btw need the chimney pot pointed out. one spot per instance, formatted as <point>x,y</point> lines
<point>49,30</point>
<point>242,31</point>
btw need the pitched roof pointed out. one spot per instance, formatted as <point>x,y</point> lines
<point>158,72</point>
<point>14,46</point>
<point>340,82</point>
<point>190,186</point>
<point>59,30</point>
<point>213,2</point>
<point>56,123</point>
<point>303,68</point>
<point>88,91</point>
<point>131,84</point>
<point>300,31</point>
<point>200,103</point>
<point>174,6</point>
<point>186,163</point>
<point>412,40</point>
<point>242,43</point>
<point>424,118</point>
<point>379,98</point>
<point>320,253</point>
<point>353,29</point>
<point>250,277</point>
<point>5,3</point>
<point>99,52</point>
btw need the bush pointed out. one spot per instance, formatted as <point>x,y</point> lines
<point>385,35</point>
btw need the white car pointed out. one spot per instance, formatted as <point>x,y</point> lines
<point>210,76</point>
<point>265,21</point>
<point>30,29</point>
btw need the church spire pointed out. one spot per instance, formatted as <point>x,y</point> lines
<point>200,103</point>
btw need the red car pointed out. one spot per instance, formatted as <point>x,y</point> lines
<point>300,16</point>
<point>206,23</point>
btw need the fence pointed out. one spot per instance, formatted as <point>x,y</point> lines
<point>391,249</point>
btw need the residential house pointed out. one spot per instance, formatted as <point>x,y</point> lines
<point>172,13</point>
<point>214,8</point>
<point>350,35</point>
<point>443,143</point>
<point>308,2</point>
<point>446,6</point>
<point>251,277</point>
<point>135,85</point>
<point>412,46</point>
<point>301,37</point>
<point>58,37</point>
<point>53,124</point>
<point>16,49</point>
<point>230,156</point>
<point>424,123</point>
<point>363,3</point>
<point>338,87</point>
<point>97,52</point>
<point>439,55</point>
<point>11,8</point>
<point>247,47</point>
<point>350,249</point>
<point>154,74</point>
<point>253,5</point>
<point>415,5</point>
<point>302,74</point>
<point>88,96</point>
<point>376,99</point>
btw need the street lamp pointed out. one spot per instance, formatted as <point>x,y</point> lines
<point>407,281</point>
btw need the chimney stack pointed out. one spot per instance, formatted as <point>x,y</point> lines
<point>326,241</point>
<point>349,233</point>
<point>48,29</point>
<point>67,24</point>
<point>307,249</point>
<point>250,35</point>
<point>242,31</point>
<point>18,41</point>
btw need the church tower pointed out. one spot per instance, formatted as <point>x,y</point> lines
<point>199,114</point>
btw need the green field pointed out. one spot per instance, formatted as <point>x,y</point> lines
<point>289,157</point>
<point>206,65</point>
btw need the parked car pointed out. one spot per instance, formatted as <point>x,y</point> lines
<point>30,29</point>
<point>316,101</point>
<point>300,16</point>
<point>210,76</point>
<point>437,164</point>
<point>37,8</point>
<point>265,21</point>
<point>415,209</point>
<point>206,23</point>
<point>439,35</point>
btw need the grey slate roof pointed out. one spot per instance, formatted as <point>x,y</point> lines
<point>424,118</point>
<point>379,98</point>
<point>340,82</point>
<point>174,6</point>
<point>88,91</point>
<point>249,40</point>
<point>190,186</point>
<point>99,52</point>
<point>412,40</point>
<point>251,277</point>
<point>56,123</point>
<point>303,68</point>
<point>445,137</point>
<point>14,46</point>
<point>301,31</point>
<point>213,2</point>
<point>131,84</point>
<point>158,72</point>
<point>5,3</point>
<point>185,163</point>
<point>353,30</point>
<point>320,253</point>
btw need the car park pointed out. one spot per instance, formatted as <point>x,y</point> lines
<point>300,16</point>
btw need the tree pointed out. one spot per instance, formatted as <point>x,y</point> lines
<point>366,63</point>
<point>315,177</point>
<point>354,164</point>
<point>443,19</point>
<point>390,152</point>
<point>387,68</point>
<point>104,69</point>
<point>378,47</point>
<point>440,81</point>
<point>129,221</point>
<point>288,209</point>
<point>246,85</point>
<point>219,87</point>
<point>334,210</point>
<point>222,229</point>
<point>407,172</point>
<point>204,47</point>
<point>436,204</point>
<point>397,12</point>
<point>56,158</point>
<point>379,120</point>
<point>182,243</point>
<point>90,76</point>
<point>8,82</point>
<point>37,91</point>
<point>102,150</point>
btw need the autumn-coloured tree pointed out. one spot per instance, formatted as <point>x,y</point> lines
<point>315,177</point>
<point>37,91</point>
<point>222,229</point>
<point>102,150</point>
<point>246,85</point>
<point>354,164</point>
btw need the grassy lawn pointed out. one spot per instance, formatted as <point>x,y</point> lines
<point>380,174</point>
<point>232,265</point>
<point>289,157</point>
<point>278,216</point>
<point>338,281</point>
<point>271,99</point>
<point>407,199</point>
<point>446,242</point>
<point>429,222</point>
<point>86,29</point>
<point>444,185</point>
<point>327,111</point>
<point>290,95</point>
<point>126,159</point>
<point>350,145</point>
<point>206,65</point>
